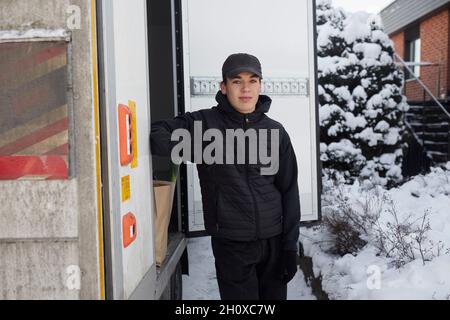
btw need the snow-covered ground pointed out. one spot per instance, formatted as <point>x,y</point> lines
<point>201,284</point>
<point>365,274</point>
<point>368,275</point>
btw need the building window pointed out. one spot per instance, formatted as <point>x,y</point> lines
<point>414,57</point>
<point>413,51</point>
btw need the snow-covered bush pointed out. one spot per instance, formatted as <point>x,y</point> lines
<point>361,105</point>
<point>349,222</point>
<point>355,216</point>
<point>407,240</point>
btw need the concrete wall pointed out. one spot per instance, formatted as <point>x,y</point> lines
<point>48,226</point>
<point>434,35</point>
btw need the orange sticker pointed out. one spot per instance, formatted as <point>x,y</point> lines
<point>129,229</point>
<point>125,135</point>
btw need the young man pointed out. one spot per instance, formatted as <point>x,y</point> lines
<point>253,217</point>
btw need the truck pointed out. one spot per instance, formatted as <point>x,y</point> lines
<point>80,83</point>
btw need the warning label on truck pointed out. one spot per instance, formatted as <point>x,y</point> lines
<point>126,193</point>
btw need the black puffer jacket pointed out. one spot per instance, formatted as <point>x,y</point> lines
<point>238,202</point>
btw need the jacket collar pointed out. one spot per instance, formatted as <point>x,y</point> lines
<point>262,107</point>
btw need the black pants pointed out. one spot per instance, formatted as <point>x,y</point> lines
<point>249,270</point>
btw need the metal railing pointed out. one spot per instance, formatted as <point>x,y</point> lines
<point>425,88</point>
<point>433,97</point>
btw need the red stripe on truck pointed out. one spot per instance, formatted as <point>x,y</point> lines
<point>42,56</point>
<point>15,167</point>
<point>35,137</point>
<point>60,151</point>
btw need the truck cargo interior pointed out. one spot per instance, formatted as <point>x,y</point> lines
<point>165,104</point>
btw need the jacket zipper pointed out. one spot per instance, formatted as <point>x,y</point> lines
<point>255,206</point>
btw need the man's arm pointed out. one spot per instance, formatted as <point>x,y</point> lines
<point>286,180</point>
<point>161,132</point>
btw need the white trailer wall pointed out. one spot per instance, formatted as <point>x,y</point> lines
<point>281,35</point>
<point>125,57</point>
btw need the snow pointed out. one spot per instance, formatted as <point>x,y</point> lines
<point>321,90</point>
<point>354,122</point>
<point>375,101</point>
<point>369,275</point>
<point>369,50</point>
<point>330,65</point>
<point>387,92</point>
<point>344,148</point>
<point>378,35</point>
<point>327,111</point>
<point>32,34</point>
<point>394,171</point>
<point>201,284</point>
<point>382,126</point>
<point>343,93</point>
<point>326,33</point>
<point>370,136</point>
<point>388,158</point>
<point>358,5</point>
<point>335,129</point>
<point>365,82</point>
<point>356,27</point>
<point>392,137</point>
<point>385,59</point>
<point>360,93</point>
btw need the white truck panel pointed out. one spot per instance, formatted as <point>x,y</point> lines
<point>281,35</point>
<point>131,66</point>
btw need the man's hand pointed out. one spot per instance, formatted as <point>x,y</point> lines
<point>289,260</point>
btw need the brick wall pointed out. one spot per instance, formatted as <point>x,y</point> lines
<point>434,35</point>
<point>399,43</point>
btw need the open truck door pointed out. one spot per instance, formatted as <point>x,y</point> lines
<point>131,269</point>
<point>283,36</point>
<point>125,163</point>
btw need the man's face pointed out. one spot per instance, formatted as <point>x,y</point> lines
<point>242,91</point>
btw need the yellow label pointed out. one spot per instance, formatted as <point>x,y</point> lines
<point>126,192</point>
<point>132,106</point>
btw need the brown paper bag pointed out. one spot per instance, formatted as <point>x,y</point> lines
<point>163,191</point>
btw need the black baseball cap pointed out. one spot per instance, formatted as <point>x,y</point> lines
<point>241,62</point>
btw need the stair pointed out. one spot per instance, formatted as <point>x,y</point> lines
<point>429,120</point>
<point>432,127</point>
